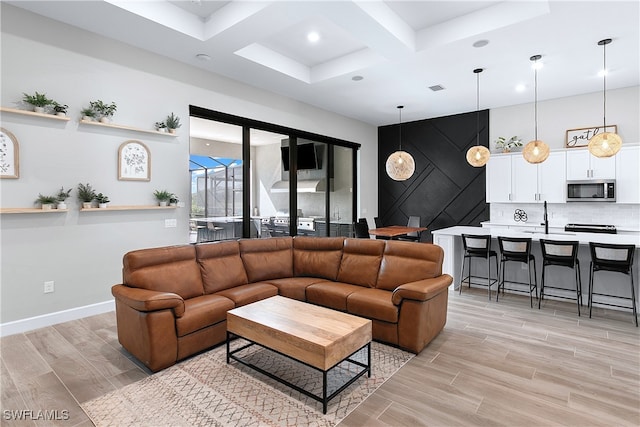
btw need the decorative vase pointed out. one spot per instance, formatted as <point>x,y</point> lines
<point>105,119</point>
<point>163,203</point>
<point>47,206</point>
<point>86,205</point>
<point>506,150</point>
<point>102,205</point>
<point>38,109</point>
<point>172,131</point>
<point>62,205</point>
<point>61,114</point>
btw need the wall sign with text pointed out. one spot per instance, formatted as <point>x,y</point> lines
<point>580,137</point>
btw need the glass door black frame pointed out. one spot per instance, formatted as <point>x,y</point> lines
<point>248,124</point>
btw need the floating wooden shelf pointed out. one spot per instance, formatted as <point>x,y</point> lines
<point>34,114</point>
<point>127,208</point>
<point>130,128</point>
<point>30,210</point>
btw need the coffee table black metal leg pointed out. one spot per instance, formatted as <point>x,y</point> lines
<point>369,360</point>
<point>324,392</point>
<point>228,346</point>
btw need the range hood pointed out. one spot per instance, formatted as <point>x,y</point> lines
<point>304,186</point>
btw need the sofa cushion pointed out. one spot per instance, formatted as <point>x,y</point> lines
<point>294,287</point>
<point>317,256</point>
<point>405,262</point>
<point>373,304</point>
<point>361,261</point>
<point>201,312</point>
<point>221,266</point>
<point>246,294</point>
<point>331,294</point>
<point>266,259</point>
<point>167,269</point>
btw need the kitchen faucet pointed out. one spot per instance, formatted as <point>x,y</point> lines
<point>546,219</point>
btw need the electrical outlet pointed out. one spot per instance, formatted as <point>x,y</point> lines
<point>170,223</point>
<point>49,287</point>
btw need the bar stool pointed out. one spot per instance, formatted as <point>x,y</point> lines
<point>616,258</point>
<point>517,249</point>
<point>478,246</point>
<point>561,253</point>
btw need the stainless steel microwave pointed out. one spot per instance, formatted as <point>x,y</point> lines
<point>593,190</point>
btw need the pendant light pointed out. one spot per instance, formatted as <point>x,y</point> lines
<point>605,144</point>
<point>478,155</point>
<point>535,151</point>
<point>400,164</point>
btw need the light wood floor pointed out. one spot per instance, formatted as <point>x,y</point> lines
<point>494,364</point>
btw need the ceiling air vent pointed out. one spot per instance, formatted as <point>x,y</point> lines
<point>436,88</point>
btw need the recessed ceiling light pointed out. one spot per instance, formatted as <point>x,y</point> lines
<point>436,88</point>
<point>357,78</point>
<point>521,88</point>
<point>481,43</point>
<point>203,57</point>
<point>536,64</point>
<point>313,36</point>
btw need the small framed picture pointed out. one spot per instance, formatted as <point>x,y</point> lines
<point>9,155</point>
<point>134,161</point>
<point>580,137</point>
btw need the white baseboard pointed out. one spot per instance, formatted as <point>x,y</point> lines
<point>31,323</point>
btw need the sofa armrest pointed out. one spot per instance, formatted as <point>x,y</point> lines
<point>422,290</point>
<point>146,300</point>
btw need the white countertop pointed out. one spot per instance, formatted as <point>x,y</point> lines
<point>552,224</point>
<point>583,238</point>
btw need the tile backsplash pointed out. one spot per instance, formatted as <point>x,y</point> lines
<point>621,215</point>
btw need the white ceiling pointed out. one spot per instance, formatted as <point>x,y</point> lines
<point>399,48</point>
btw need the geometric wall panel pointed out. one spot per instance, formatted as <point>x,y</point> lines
<point>444,190</point>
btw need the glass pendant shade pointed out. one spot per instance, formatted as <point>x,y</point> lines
<point>400,165</point>
<point>535,152</point>
<point>478,156</point>
<point>605,144</point>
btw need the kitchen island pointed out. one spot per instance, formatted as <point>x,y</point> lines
<point>617,284</point>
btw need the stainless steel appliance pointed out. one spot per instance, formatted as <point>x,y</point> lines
<point>602,190</point>
<point>591,228</point>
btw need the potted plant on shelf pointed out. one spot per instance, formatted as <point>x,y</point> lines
<point>507,144</point>
<point>102,200</point>
<point>38,101</point>
<point>162,196</point>
<point>161,126</point>
<point>86,194</point>
<point>173,200</point>
<point>88,114</point>
<point>60,110</point>
<point>46,202</point>
<point>173,123</point>
<point>62,196</point>
<point>104,111</point>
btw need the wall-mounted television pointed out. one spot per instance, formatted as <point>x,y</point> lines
<point>308,157</point>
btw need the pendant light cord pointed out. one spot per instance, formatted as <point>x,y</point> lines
<point>535,102</point>
<point>604,87</point>
<point>478,107</point>
<point>400,107</point>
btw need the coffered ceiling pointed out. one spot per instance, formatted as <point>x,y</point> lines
<point>371,56</point>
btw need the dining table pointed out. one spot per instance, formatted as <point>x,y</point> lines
<point>395,231</point>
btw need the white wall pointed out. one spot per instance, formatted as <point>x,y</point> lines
<point>556,116</point>
<point>82,252</point>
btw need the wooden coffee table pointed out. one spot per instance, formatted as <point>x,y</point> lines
<point>316,336</point>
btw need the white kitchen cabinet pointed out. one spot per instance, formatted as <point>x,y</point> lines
<point>581,165</point>
<point>499,179</point>
<point>628,174</point>
<point>526,182</point>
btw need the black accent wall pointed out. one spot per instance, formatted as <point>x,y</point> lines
<point>444,190</point>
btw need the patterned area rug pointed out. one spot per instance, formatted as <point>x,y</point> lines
<point>204,390</point>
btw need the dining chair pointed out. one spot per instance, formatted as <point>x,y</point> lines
<point>414,236</point>
<point>560,253</point>
<point>361,230</point>
<point>613,258</point>
<point>517,249</point>
<point>379,224</point>
<point>478,246</point>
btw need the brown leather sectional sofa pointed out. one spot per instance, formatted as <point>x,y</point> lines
<point>173,300</point>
